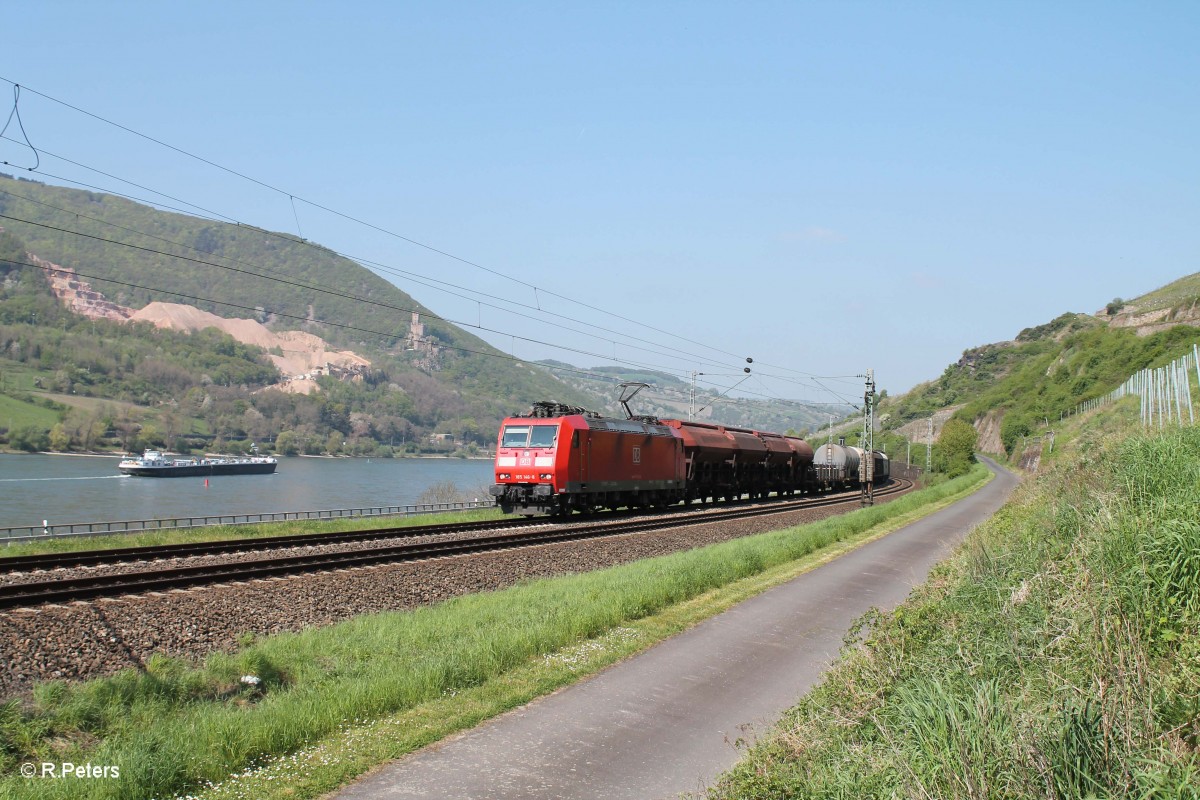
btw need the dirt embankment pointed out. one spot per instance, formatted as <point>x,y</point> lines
<point>988,428</point>
<point>1147,321</point>
<point>301,357</point>
<point>917,431</point>
<point>303,353</point>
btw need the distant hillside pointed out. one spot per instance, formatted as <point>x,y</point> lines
<point>378,380</point>
<point>1016,389</point>
<point>670,397</point>
<point>1177,303</point>
<point>442,379</point>
<point>981,368</point>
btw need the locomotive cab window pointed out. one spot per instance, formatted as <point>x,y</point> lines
<point>515,436</point>
<point>543,435</point>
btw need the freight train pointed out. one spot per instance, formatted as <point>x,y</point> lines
<point>559,459</point>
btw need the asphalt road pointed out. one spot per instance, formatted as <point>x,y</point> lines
<point>664,722</point>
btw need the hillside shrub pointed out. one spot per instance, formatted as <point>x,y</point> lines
<point>958,442</point>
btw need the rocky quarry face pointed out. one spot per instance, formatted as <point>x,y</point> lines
<point>305,356</point>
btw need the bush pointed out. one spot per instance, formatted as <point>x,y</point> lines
<point>958,442</point>
<point>29,438</point>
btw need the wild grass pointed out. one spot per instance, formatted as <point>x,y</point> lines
<point>1056,655</point>
<point>16,413</point>
<point>1183,291</point>
<point>174,727</point>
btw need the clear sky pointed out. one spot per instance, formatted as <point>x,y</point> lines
<point>824,187</point>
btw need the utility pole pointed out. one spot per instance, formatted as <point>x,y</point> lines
<point>929,450</point>
<point>692,416</point>
<point>866,467</point>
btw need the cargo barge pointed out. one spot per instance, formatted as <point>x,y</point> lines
<point>156,464</point>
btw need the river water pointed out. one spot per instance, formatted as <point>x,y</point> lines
<point>64,489</point>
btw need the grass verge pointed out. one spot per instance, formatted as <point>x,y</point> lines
<point>1056,655</point>
<point>329,703</point>
<point>220,533</point>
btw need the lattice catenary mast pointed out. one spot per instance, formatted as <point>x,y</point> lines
<point>866,465</point>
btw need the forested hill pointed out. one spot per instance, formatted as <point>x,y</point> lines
<point>450,383</point>
<point>437,384</point>
<point>193,246</point>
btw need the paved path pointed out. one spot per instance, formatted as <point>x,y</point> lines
<point>663,723</point>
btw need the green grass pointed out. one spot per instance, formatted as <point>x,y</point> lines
<point>419,674</point>
<point>16,413</point>
<point>220,533</point>
<point>1056,655</point>
<point>1186,290</point>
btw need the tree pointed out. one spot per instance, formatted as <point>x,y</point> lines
<point>29,438</point>
<point>150,435</point>
<point>60,440</point>
<point>286,444</point>
<point>958,441</point>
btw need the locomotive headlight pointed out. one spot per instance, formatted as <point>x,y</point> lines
<point>504,476</point>
<point>545,476</point>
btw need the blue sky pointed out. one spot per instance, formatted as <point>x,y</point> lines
<point>824,187</point>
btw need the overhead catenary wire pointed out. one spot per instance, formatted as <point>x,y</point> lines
<point>334,292</point>
<point>422,280</point>
<point>384,336</point>
<point>344,295</point>
<point>276,313</point>
<point>591,375</point>
<point>16,112</point>
<point>808,381</point>
<point>351,218</point>
<point>269,276</point>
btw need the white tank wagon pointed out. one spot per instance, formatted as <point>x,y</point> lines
<point>836,466</point>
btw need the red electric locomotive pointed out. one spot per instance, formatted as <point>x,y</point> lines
<point>561,459</point>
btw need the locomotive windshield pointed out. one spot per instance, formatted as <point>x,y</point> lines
<point>515,436</point>
<point>542,435</point>
<point>529,436</point>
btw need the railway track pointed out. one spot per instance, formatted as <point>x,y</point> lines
<point>153,580</point>
<point>122,555</point>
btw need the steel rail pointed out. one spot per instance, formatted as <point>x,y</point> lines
<point>87,588</point>
<point>186,550</point>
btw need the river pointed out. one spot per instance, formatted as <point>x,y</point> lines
<point>64,489</point>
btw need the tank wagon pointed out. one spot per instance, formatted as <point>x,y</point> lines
<point>839,466</point>
<point>883,467</point>
<point>559,459</point>
<point>835,466</point>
